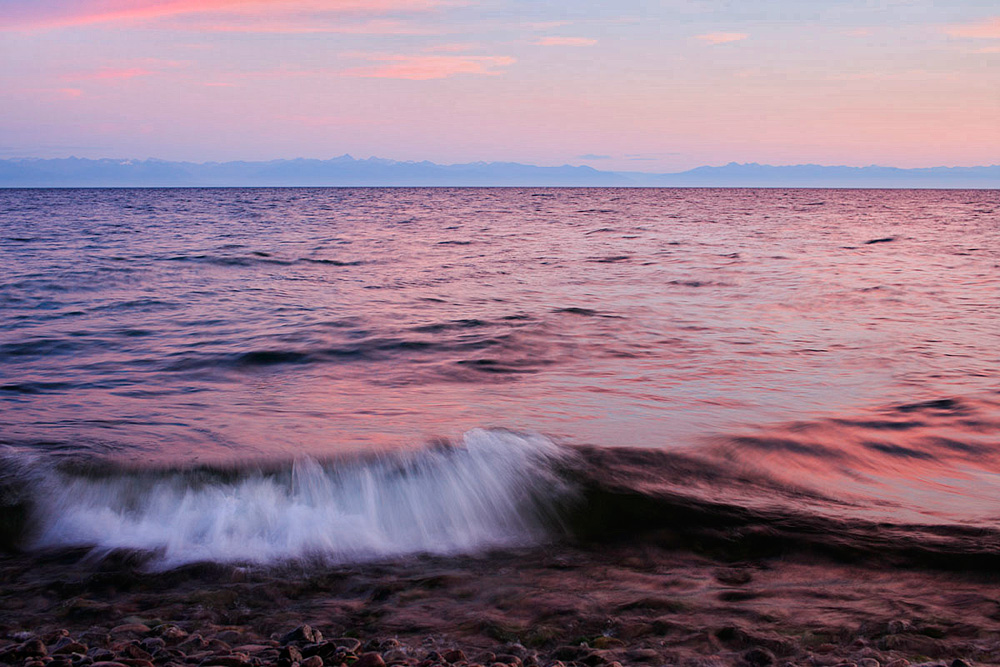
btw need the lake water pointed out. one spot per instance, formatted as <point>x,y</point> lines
<point>846,342</point>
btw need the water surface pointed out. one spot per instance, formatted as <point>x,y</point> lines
<point>846,341</point>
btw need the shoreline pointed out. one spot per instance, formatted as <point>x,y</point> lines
<point>593,605</point>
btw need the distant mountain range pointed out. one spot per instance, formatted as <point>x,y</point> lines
<point>348,171</point>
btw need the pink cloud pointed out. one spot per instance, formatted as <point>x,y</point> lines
<point>131,70</point>
<point>450,48</point>
<point>304,27</point>
<point>565,41</point>
<point>420,68</point>
<point>322,121</point>
<point>51,93</point>
<point>41,14</point>
<point>987,29</point>
<point>545,25</point>
<point>109,74</point>
<point>722,37</point>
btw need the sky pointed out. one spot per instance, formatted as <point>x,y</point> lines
<point>636,85</point>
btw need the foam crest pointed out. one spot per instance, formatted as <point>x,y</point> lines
<point>496,489</point>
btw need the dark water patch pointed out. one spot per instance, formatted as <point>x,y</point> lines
<point>881,424</point>
<point>142,304</point>
<point>696,283</point>
<point>601,230</point>
<point>587,312</point>
<point>515,352</point>
<point>452,325</point>
<point>945,405</point>
<point>610,259</point>
<point>160,393</point>
<point>898,450</point>
<point>774,444</point>
<point>333,262</point>
<point>575,310</point>
<point>35,387</point>
<point>270,358</point>
<point>228,260</point>
<point>39,347</point>
<point>353,323</point>
<point>134,333</point>
<point>498,367</point>
<point>934,442</point>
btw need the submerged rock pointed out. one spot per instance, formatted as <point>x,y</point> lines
<point>303,634</point>
<point>758,657</point>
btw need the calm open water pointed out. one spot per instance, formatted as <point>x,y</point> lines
<point>845,340</point>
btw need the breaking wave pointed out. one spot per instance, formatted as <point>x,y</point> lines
<point>821,487</point>
<point>495,489</point>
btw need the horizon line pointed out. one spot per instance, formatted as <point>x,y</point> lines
<point>124,161</point>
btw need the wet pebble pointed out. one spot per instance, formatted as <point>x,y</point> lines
<point>170,633</point>
<point>371,659</point>
<point>134,652</point>
<point>193,643</point>
<point>33,648</point>
<point>395,657</point>
<point>303,634</point>
<point>130,629</point>
<point>289,654</point>
<point>230,660</point>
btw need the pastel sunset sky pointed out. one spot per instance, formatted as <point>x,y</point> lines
<point>625,84</point>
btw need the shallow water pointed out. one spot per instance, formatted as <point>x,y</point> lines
<point>842,342</point>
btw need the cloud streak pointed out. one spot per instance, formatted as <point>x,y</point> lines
<point>987,29</point>
<point>424,67</point>
<point>564,41</point>
<point>722,37</point>
<point>48,14</point>
<point>109,74</point>
<point>128,70</point>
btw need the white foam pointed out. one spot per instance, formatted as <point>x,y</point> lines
<point>488,492</point>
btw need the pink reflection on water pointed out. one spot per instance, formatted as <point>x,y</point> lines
<point>936,460</point>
